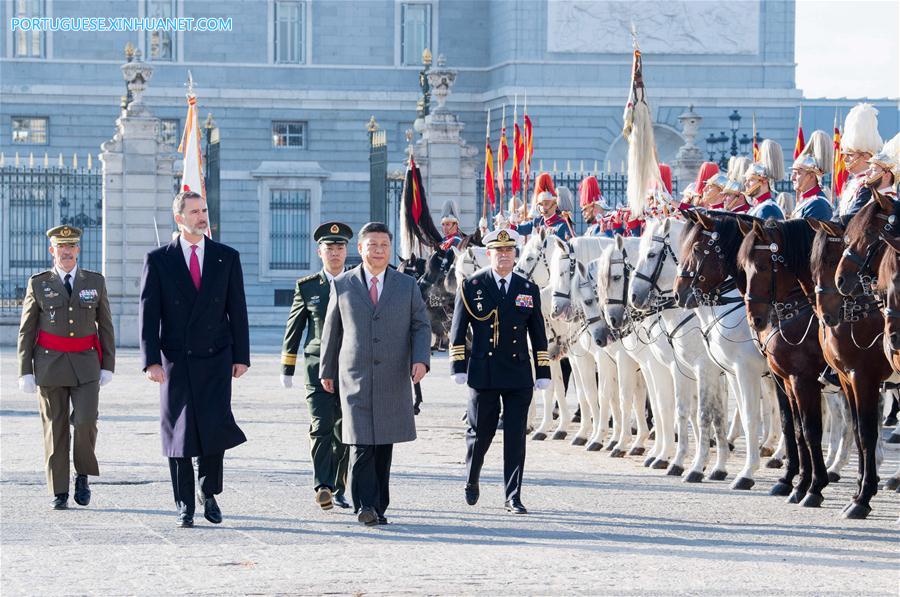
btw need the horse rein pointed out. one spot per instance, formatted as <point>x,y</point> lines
<point>663,299</point>
<point>714,297</point>
<point>866,277</point>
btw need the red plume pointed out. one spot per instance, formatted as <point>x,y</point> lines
<point>589,191</point>
<point>707,171</point>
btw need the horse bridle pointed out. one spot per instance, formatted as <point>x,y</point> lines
<point>544,260</point>
<point>567,256</point>
<point>851,309</point>
<point>714,296</point>
<point>784,311</point>
<point>632,315</point>
<point>866,277</point>
<point>664,299</point>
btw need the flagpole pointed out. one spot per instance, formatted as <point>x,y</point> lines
<point>526,158</point>
<point>499,172</point>
<point>487,141</point>
<point>834,161</point>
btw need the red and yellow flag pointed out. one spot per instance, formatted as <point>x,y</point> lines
<point>800,143</point>
<point>839,174</point>
<point>489,192</point>
<point>518,154</point>
<point>502,158</point>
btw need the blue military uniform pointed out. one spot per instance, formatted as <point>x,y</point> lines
<point>766,208</point>
<point>556,224</point>
<point>498,364</point>
<point>861,196</point>
<point>813,204</point>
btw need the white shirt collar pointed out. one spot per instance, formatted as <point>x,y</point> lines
<point>369,276</point>
<point>328,277</point>
<point>62,274</point>
<point>186,246</point>
<point>498,277</point>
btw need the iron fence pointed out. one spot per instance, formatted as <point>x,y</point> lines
<point>35,199</point>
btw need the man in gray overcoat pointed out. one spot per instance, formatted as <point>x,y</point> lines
<point>376,340</point>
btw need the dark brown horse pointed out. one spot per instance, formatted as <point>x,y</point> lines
<point>857,271</point>
<point>851,343</point>
<point>775,256</point>
<point>708,272</point>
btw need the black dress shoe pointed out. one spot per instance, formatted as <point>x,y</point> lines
<point>82,490</point>
<point>185,519</point>
<point>515,506</point>
<point>340,501</point>
<point>472,493</point>
<point>60,501</point>
<point>368,516</point>
<point>382,520</point>
<point>211,510</point>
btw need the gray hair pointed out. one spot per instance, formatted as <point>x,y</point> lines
<point>374,227</point>
<point>178,202</point>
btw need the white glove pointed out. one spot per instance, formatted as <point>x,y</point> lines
<point>27,385</point>
<point>287,381</point>
<point>460,378</point>
<point>105,377</point>
<point>541,384</point>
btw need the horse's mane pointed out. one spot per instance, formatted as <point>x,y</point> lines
<point>863,220</point>
<point>819,253</point>
<point>602,279</point>
<point>730,238</point>
<point>588,248</point>
<point>796,238</point>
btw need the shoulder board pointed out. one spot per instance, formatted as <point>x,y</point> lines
<point>305,279</point>
<point>46,273</point>
<point>92,273</point>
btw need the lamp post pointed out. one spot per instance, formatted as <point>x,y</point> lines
<point>718,148</point>
<point>735,119</point>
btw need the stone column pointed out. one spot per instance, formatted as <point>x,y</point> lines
<point>138,187</point>
<point>689,156</point>
<point>448,165</point>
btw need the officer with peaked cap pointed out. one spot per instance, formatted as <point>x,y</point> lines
<point>307,316</point>
<point>67,350</point>
<point>503,310</point>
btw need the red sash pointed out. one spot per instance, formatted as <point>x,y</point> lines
<point>64,344</point>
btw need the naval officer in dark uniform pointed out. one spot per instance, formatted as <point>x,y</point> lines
<point>329,455</point>
<point>503,310</point>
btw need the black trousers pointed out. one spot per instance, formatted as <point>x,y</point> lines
<point>209,474</point>
<point>370,475</point>
<point>483,413</point>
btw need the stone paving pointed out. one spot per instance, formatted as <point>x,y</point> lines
<point>597,525</point>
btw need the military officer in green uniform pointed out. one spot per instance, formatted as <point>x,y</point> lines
<point>67,350</point>
<point>307,315</point>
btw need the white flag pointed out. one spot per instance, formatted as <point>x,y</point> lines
<point>192,174</point>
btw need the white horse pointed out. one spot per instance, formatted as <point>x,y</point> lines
<point>696,377</point>
<point>644,341</point>
<point>537,263</point>
<point>468,261</point>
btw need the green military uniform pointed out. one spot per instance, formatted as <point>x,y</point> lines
<point>64,342</point>
<point>307,315</point>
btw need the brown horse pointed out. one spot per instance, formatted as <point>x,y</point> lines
<point>775,258</point>
<point>857,270</point>
<point>709,272</point>
<point>851,343</point>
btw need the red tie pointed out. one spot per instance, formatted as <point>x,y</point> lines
<point>373,291</point>
<point>195,267</point>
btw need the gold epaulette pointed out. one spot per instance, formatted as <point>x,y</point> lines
<point>288,359</point>
<point>543,358</point>
<point>458,352</point>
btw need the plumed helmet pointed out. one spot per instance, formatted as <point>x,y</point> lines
<point>707,170</point>
<point>861,130</point>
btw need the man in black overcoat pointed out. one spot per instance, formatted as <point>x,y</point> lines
<point>194,339</point>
